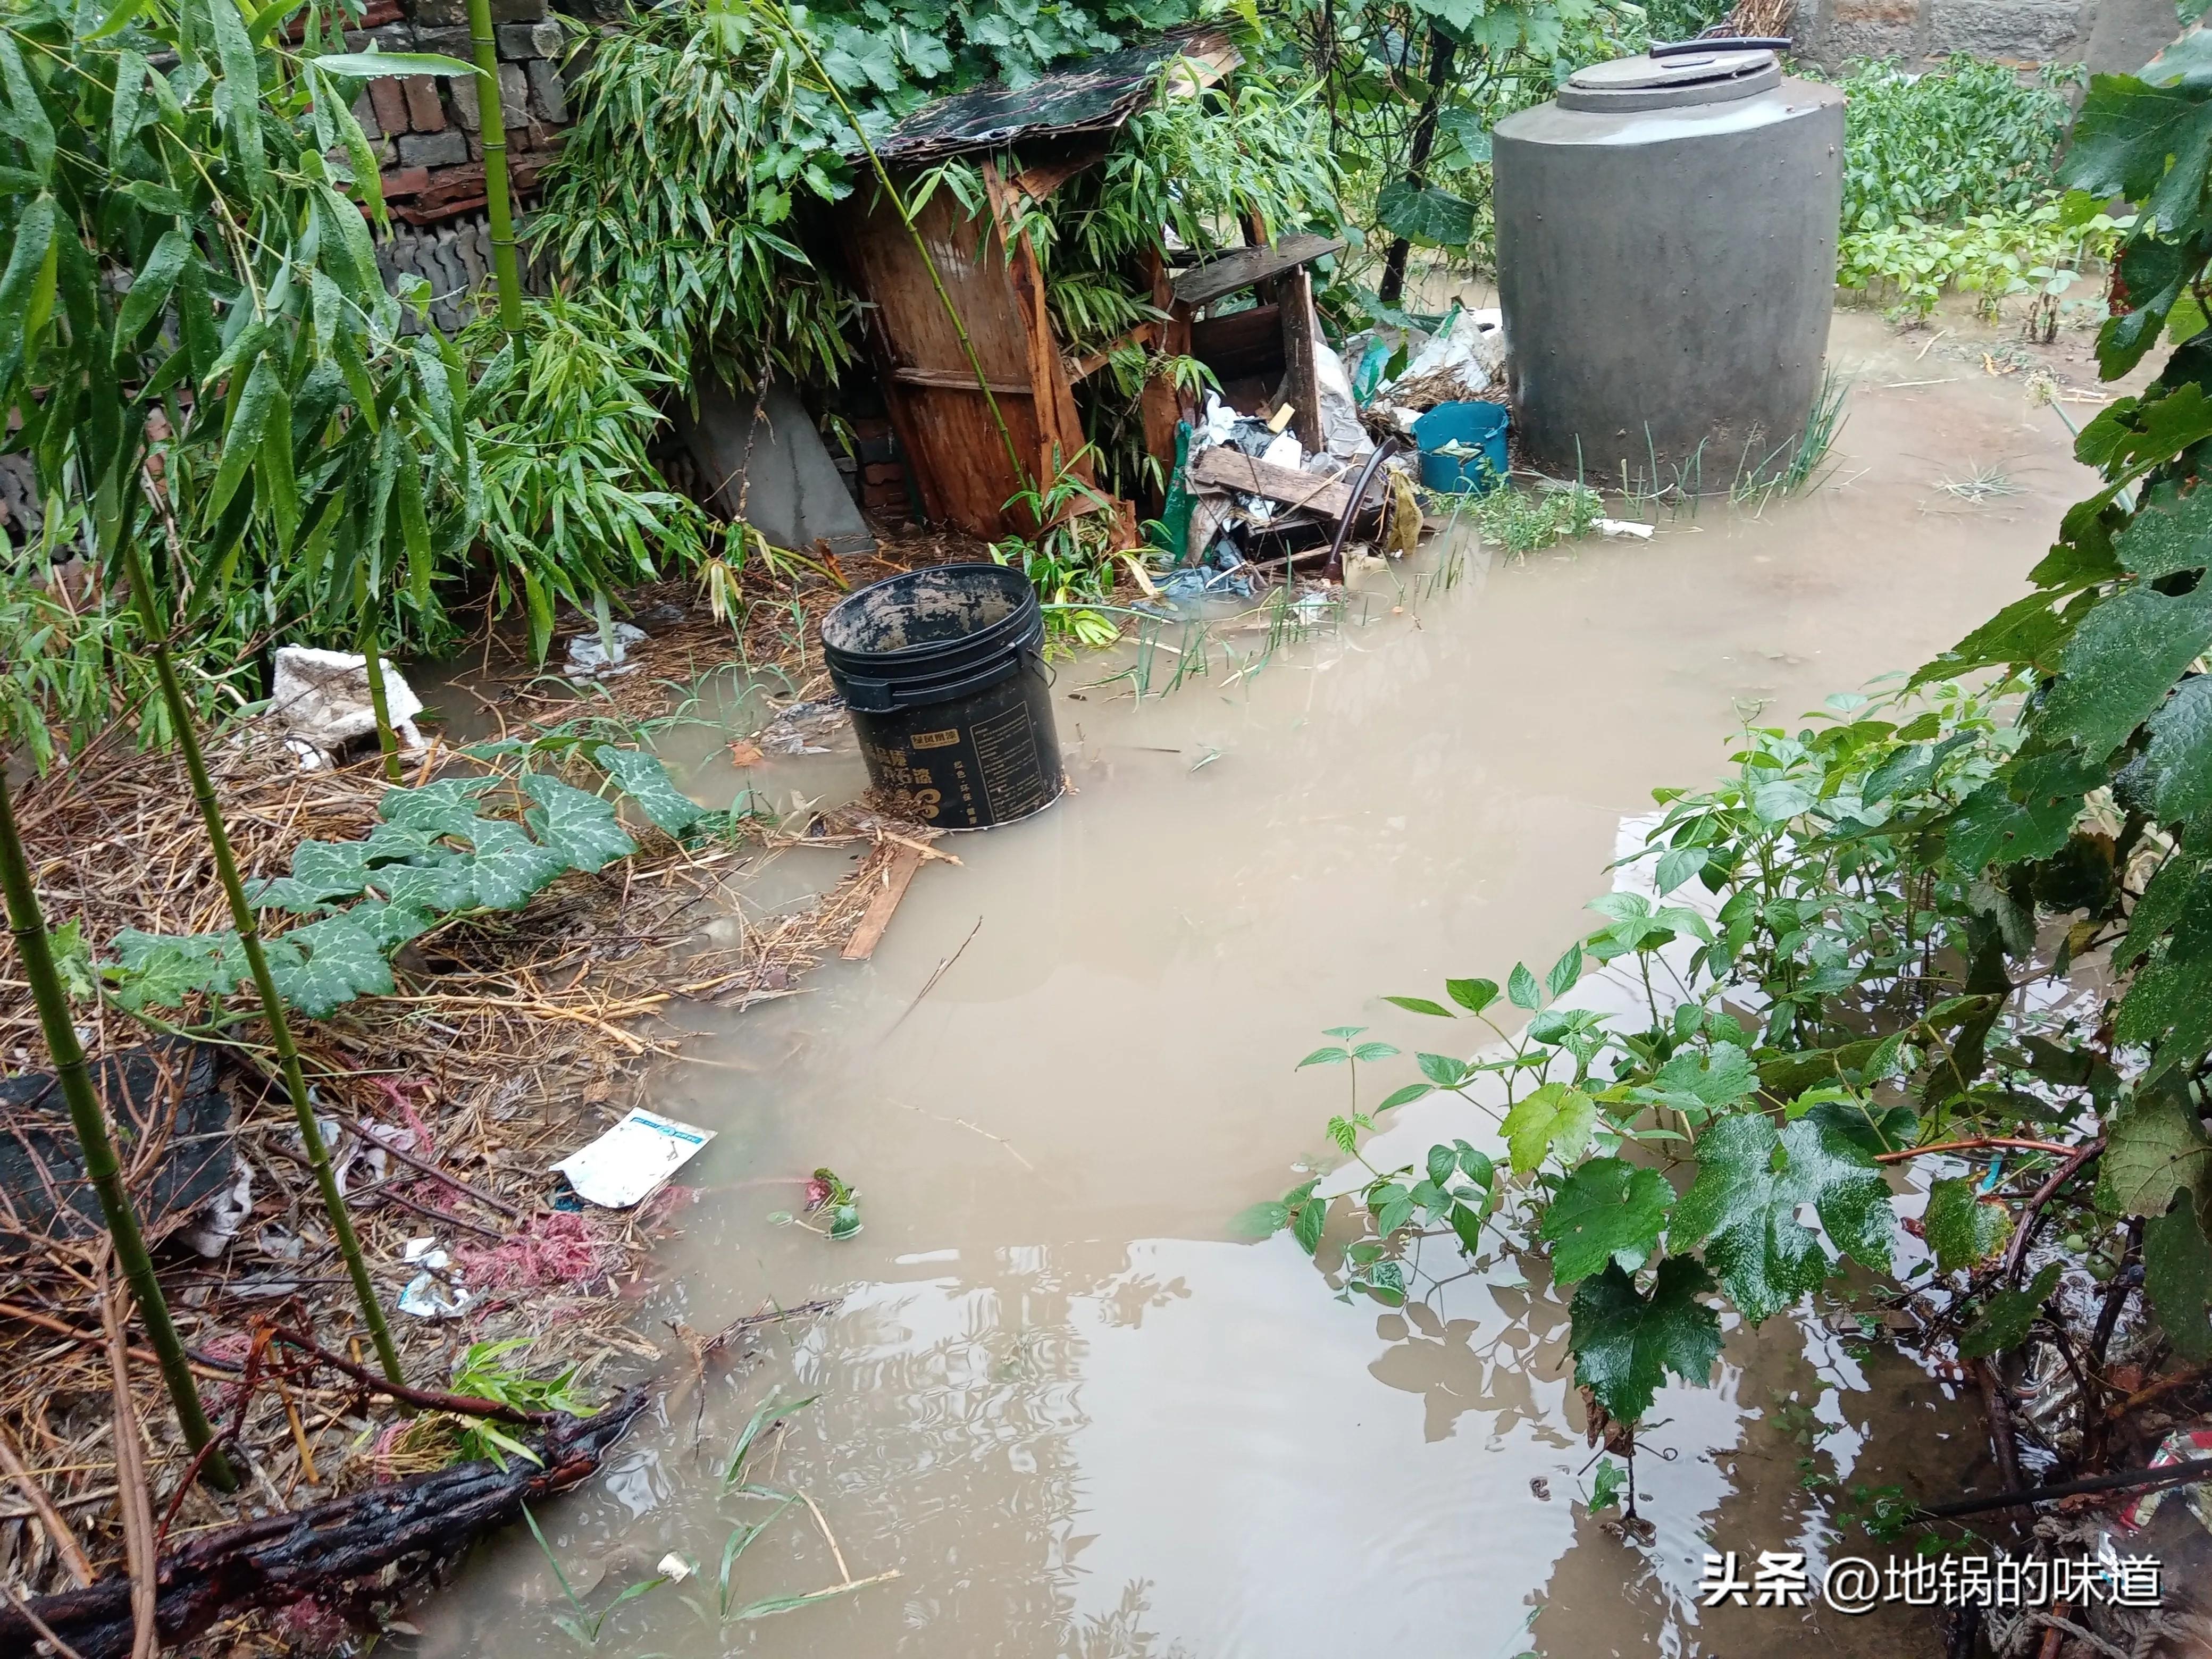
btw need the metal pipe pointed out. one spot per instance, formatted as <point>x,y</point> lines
<point>1334,570</point>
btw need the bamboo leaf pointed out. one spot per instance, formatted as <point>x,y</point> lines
<point>25,116</point>
<point>373,65</point>
<point>241,442</point>
<point>26,286</point>
<point>238,95</point>
<point>129,84</point>
<point>150,289</point>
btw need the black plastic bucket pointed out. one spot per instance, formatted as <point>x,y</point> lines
<point>943,670</point>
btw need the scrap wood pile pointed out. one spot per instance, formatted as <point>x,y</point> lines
<point>510,1039</point>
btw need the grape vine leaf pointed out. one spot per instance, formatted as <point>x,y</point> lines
<point>2025,815</point>
<point>1609,1211</point>
<point>645,780</point>
<point>1743,1208</point>
<point>2177,1278</point>
<point>1962,1230</point>
<point>1425,216</point>
<point>1873,1129</point>
<point>1555,1118</point>
<point>2155,1148</point>
<point>1624,1343</point>
<point>2006,1315</point>
<point>575,823</point>
<point>1718,1080</point>
<point>2170,534</point>
<point>1607,1481</point>
<point>2180,757</point>
<point>2122,660</point>
<point>2123,138</point>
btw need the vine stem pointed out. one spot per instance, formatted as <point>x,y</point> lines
<point>34,950</point>
<point>1977,1143</point>
<point>246,921</point>
<point>921,246</point>
<point>2018,1255</point>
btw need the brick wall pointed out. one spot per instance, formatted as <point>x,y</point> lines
<point>427,130</point>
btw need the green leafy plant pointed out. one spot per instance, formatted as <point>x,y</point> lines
<point>573,510</point>
<point>1525,521</point>
<point>432,858</point>
<point>1070,560</point>
<point>1846,895</point>
<point>1938,146</point>
<point>2043,251</point>
<point>480,1373</point>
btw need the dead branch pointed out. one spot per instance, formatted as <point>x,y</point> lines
<point>280,1559</point>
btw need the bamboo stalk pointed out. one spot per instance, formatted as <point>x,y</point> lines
<point>245,920</point>
<point>371,657</point>
<point>491,116</point>
<point>34,950</point>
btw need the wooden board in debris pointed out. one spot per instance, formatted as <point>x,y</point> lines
<point>1223,468</point>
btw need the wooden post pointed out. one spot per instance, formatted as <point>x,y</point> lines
<point>1298,346</point>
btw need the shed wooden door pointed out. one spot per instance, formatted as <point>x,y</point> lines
<point>942,418</point>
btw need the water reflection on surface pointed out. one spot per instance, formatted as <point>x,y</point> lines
<point>1075,1416</point>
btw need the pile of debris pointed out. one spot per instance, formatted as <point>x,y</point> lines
<point>488,1123</point>
<point>1252,498</point>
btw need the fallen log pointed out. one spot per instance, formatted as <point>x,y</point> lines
<point>280,1559</point>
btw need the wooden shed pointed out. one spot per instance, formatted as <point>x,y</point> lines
<point>1044,134</point>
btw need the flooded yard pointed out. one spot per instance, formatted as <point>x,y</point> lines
<point>1056,1396</point>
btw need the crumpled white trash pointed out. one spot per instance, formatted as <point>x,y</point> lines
<point>319,701</point>
<point>587,653</point>
<point>433,1295</point>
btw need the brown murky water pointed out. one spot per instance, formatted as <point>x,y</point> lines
<point>1057,1398</point>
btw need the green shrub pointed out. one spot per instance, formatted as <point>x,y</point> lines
<point>2042,250</point>
<point>1968,139</point>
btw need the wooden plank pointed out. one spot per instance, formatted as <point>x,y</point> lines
<point>1164,405</point>
<point>1223,468</point>
<point>953,379</point>
<point>897,873</point>
<point>943,424</point>
<point>1203,284</point>
<point>1059,442</point>
<point>1038,179</point>
<point>1298,331</point>
<point>1243,342</point>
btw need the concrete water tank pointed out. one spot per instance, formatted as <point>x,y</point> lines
<point>1666,266</point>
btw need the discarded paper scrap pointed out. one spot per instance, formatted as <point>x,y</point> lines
<point>623,1166</point>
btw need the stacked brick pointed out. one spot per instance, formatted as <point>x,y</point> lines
<point>876,477</point>
<point>429,130</point>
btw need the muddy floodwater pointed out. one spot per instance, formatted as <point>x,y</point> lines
<point>1058,1397</point>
